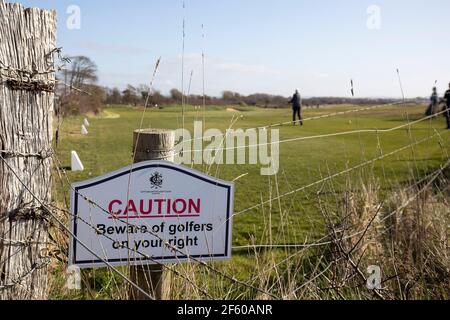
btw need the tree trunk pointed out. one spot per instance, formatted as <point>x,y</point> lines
<point>27,80</point>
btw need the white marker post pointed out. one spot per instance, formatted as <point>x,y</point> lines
<point>76,164</point>
<point>86,122</point>
<point>84,131</point>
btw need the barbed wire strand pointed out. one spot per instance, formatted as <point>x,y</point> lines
<point>174,248</point>
<point>305,138</point>
<point>72,234</point>
<point>126,247</point>
<point>147,257</point>
<point>330,115</point>
<point>386,130</point>
<point>331,177</point>
<point>431,177</point>
<point>341,173</point>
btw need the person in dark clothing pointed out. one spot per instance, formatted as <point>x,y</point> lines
<point>296,102</point>
<point>447,106</point>
<point>434,102</point>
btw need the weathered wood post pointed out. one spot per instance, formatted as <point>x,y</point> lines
<point>152,144</point>
<point>27,82</point>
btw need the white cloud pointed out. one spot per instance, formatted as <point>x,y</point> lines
<point>221,74</point>
<point>194,60</point>
<point>239,68</point>
<point>112,48</point>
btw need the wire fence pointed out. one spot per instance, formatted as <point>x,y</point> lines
<point>267,282</point>
<point>404,230</point>
<point>210,269</point>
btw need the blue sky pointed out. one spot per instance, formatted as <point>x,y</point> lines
<point>264,45</point>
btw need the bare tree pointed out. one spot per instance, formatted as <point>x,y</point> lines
<point>176,95</point>
<point>130,96</point>
<point>82,71</point>
<point>114,96</point>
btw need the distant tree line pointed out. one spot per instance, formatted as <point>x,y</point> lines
<point>138,95</point>
<point>78,92</point>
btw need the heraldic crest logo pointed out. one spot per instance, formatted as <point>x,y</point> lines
<point>156,180</point>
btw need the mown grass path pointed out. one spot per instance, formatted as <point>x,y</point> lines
<point>109,143</point>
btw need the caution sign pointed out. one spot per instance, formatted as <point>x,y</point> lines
<point>149,213</point>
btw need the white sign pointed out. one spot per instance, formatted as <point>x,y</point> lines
<point>151,212</point>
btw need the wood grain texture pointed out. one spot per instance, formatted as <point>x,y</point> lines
<point>27,36</point>
<point>152,144</point>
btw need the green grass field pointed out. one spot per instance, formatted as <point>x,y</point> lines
<point>109,147</point>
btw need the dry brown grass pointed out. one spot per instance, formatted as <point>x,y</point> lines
<point>405,233</point>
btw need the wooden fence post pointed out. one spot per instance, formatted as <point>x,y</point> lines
<point>27,82</point>
<point>152,144</point>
